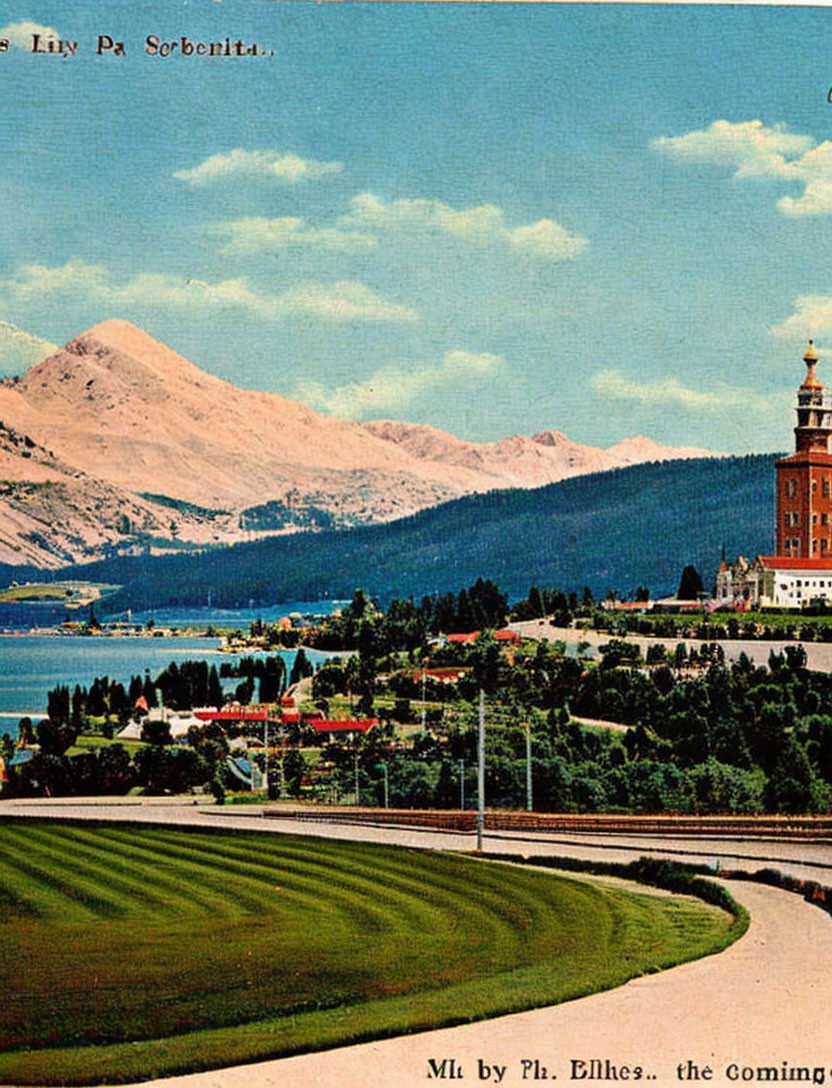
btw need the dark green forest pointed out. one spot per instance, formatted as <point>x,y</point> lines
<point>609,531</point>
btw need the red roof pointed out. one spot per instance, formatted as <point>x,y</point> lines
<point>789,562</point>
<point>345,725</point>
<point>802,457</point>
<point>503,635</point>
<point>234,714</point>
<point>449,673</point>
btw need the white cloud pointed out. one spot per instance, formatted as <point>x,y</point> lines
<point>270,165</point>
<point>814,169</point>
<point>670,391</point>
<point>483,225</point>
<point>20,350</point>
<point>392,387</point>
<point>753,150</point>
<point>343,301</point>
<point>812,317</point>
<point>256,234</point>
<point>546,238</point>
<point>20,34</point>
<point>748,146</point>
<point>32,279</point>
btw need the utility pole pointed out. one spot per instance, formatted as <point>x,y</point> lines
<point>384,771</point>
<point>424,715</point>
<point>528,728</point>
<point>266,756</point>
<point>355,766</point>
<point>461,763</point>
<point>481,771</point>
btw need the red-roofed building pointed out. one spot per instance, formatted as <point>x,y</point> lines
<point>345,725</point>
<point>234,714</point>
<point>446,675</point>
<point>503,635</point>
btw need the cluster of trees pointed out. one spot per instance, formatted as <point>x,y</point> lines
<point>157,767</point>
<point>110,770</point>
<point>106,700</point>
<point>562,607</point>
<point>268,674</point>
<point>275,635</point>
<point>405,625</point>
<point>573,769</point>
<point>189,684</point>
<point>761,730</point>
<point>704,737</point>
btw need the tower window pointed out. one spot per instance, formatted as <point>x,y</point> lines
<point>791,488</point>
<point>824,489</point>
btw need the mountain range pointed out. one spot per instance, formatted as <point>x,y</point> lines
<point>610,530</point>
<point>117,445</point>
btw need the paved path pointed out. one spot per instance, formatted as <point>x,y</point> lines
<point>800,858</point>
<point>764,1002</point>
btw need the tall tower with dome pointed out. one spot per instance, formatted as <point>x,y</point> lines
<point>799,574</point>
<point>804,479</point>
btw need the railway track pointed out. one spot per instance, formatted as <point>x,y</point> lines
<point>814,828</point>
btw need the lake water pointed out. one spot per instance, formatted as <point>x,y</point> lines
<point>31,665</point>
<point>23,616</point>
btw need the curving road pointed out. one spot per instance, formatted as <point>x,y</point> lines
<point>760,1011</point>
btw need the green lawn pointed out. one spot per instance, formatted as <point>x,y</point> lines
<point>133,952</point>
<point>72,592</point>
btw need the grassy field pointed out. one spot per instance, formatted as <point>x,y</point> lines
<point>133,952</point>
<point>74,593</point>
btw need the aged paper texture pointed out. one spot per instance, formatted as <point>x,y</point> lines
<point>606,221</point>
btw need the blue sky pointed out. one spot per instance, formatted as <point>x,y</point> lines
<point>601,219</point>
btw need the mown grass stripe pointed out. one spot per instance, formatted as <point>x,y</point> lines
<point>490,902</point>
<point>202,887</point>
<point>72,856</point>
<point>344,880</point>
<point>77,899</point>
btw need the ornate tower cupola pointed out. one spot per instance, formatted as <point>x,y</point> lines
<point>814,412</point>
<point>804,480</point>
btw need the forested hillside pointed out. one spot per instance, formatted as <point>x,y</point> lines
<point>615,530</point>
